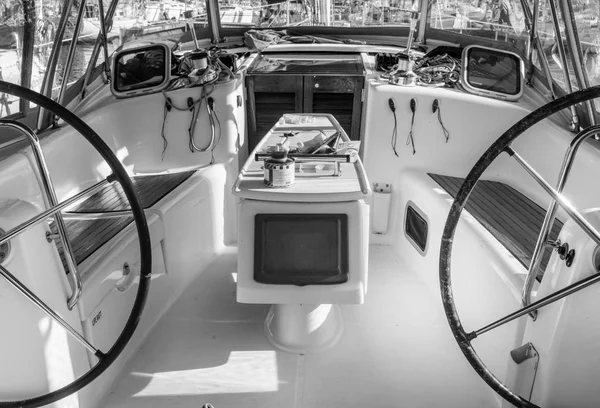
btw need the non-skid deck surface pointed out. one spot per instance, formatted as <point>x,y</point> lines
<point>396,351</point>
<point>86,236</point>
<point>512,218</point>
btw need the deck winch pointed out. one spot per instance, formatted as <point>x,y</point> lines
<point>279,170</point>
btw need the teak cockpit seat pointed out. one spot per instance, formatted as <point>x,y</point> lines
<point>87,235</point>
<point>512,218</point>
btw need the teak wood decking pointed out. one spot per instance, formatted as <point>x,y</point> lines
<point>508,215</point>
<point>86,236</point>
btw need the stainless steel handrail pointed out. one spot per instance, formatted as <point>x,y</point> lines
<point>34,141</point>
<point>538,251</point>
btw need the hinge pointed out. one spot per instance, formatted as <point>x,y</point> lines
<point>362,95</point>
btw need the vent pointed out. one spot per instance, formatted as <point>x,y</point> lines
<point>416,228</point>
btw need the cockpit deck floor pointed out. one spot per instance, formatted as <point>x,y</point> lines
<point>396,351</point>
<point>512,218</point>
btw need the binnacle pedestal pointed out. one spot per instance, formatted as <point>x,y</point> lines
<point>299,328</point>
<point>304,248</point>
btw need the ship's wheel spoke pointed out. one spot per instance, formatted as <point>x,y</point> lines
<point>33,298</point>
<point>545,301</point>
<point>556,196</point>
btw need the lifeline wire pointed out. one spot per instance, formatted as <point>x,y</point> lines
<point>410,140</point>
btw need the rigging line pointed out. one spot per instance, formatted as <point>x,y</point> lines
<point>216,118</point>
<point>437,108</point>
<point>162,132</point>
<point>224,67</point>
<point>395,135</point>
<point>237,130</point>
<point>410,139</point>
<point>392,105</point>
<point>446,132</point>
<point>212,131</point>
<point>193,147</point>
<point>192,127</point>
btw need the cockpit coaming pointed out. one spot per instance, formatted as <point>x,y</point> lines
<point>289,203</point>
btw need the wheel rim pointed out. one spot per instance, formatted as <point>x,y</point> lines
<point>119,173</point>
<point>456,209</point>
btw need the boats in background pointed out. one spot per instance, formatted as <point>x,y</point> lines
<point>272,14</point>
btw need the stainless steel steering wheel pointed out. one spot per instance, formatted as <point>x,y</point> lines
<point>503,145</point>
<point>105,359</point>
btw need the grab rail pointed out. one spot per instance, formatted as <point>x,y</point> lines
<point>536,258</point>
<point>34,141</point>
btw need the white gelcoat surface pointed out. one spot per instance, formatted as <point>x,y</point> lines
<point>396,350</point>
<point>140,141</point>
<point>465,116</point>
